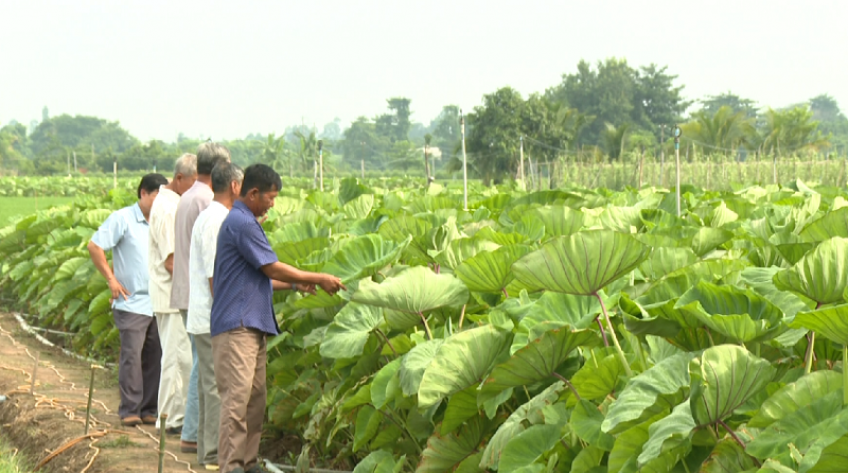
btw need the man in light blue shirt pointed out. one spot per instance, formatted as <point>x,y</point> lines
<point>126,233</point>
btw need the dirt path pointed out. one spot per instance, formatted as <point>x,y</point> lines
<point>41,423</point>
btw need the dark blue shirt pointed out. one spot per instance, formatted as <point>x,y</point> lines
<point>242,292</point>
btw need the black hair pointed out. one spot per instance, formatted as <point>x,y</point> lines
<point>151,182</point>
<point>261,177</point>
<point>223,174</point>
<point>208,155</point>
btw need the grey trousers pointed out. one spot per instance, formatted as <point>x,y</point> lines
<point>209,402</point>
<point>139,365</point>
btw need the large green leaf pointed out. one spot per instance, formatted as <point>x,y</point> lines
<point>820,275</point>
<point>582,263</point>
<point>490,271</point>
<point>708,239</point>
<point>833,224</point>
<point>292,252</point>
<point>810,429</point>
<point>669,436</point>
<point>347,335</point>
<point>598,377</point>
<point>586,422</point>
<point>830,322</point>
<point>793,396</point>
<point>414,363</point>
<point>738,314</point>
<point>530,412</point>
<point>537,361</point>
<point>462,249</point>
<point>727,456</point>
<point>462,361</point>
<point>363,257</point>
<point>415,290</point>
<point>560,220</point>
<point>658,389</point>
<point>666,260</point>
<point>528,446</point>
<point>723,378</point>
<point>444,454</point>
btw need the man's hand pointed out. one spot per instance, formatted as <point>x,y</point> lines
<point>331,284</point>
<point>307,288</point>
<point>117,289</point>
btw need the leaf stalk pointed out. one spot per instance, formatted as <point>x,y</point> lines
<point>621,356</point>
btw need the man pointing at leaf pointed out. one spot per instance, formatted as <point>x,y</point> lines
<point>246,272</point>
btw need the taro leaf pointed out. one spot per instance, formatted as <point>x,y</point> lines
<point>820,275</point>
<point>741,315</point>
<point>300,231</point>
<point>414,290</point>
<point>530,226</point>
<point>347,335</point>
<point>582,263</point>
<point>491,271</point>
<point>462,249</point>
<point>658,389</point>
<point>379,461</point>
<point>69,267</point>
<point>462,361</point>
<point>833,224</point>
<point>530,412</point>
<point>831,322</point>
<point>461,407</point>
<point>414,363</point>
<point>727,456</point>
<point>810,429</point>
<point>619,219</point>
<point>597,378</point>
<point>708,239</point>
<point>363,256</point>
<point>291,252</point>
<point>525,448</point>
<point>385,384</point>
<point>588,460</point>
<point>557,308</point>
<point>368,421</point>
<point>560,220</point>
<point>628,446</point>
<point>669,437</point>
<point>721,216</point>
<point>833,458</point>
<point>444,454</point>
<point>793,252</point>
<point>723,378</point>
<point>536,361</point>
<point>586,422</point>
<point>359,207</point>
<point>401,227</point>
<point>666,260</point>
<point>793,396</point>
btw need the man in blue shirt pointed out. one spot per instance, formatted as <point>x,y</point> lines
<point>125,232</point>
<point>246,272</point>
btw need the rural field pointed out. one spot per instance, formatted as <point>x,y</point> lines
<point>592,329</point>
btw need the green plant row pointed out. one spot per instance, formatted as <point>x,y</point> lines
<point>565,330</point>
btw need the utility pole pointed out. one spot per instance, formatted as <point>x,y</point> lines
<point>75,161</point>
<point>68,157</point>
<point>427,163</point>
<point>321,164</point>
<point>464,162</point>
<point>521,157</point>
<point>677,134</point>
<point>662,155</point>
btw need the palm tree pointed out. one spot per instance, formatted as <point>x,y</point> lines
<point>614,139</point>
<point>725,130</point>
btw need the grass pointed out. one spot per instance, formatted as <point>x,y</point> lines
<point>121,442</point>
<point>10,460</point>
<point>20,206</point>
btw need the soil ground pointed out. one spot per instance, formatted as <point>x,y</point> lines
<point>40,424</point>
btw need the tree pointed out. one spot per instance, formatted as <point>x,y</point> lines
<point>615,140</point>
<point>493,132</point>
<point>446,133</point>
<point>657,101</point>
<point>712,103</point>
<point>725,130</point>
<point>832,122</point>
<point>360,141</point>
<point>395,126</point>
<point>333,130</point>
<point>792,131</point>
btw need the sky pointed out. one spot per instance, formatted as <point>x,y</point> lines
<point>227,69</point>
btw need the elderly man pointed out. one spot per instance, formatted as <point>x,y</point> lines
<point>125,232</point>
<point>246,272</point>
<point>226,185</point>
<point>176,347</point>
<point>194,201</point>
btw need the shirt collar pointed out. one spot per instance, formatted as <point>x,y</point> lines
<point>136,210</point>
<point>241,206</point>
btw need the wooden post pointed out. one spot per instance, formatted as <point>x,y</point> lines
<point>162,418</point>
<point>427,163</point>
<point>68,157</point>
<point>321,164</point>
<point>464,162</point>
<point>662,155</point>
<point>521,157</point>
<point>75,161</point>
<point>88,406</point>
<point>641,162</point>
<point>362,167</point>
<point>34,373</point>
<point>677,134</point>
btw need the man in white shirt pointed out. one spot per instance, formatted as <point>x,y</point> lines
<point>176,347</point>
<point>194,201</point>
<point>226,185</point>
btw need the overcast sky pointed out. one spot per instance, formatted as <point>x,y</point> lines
<point>227,69</point>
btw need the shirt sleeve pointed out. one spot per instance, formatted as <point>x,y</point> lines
<point>110,232</point>
<point>209,241</point>
<point>254,247</point>
<point>166,233</point>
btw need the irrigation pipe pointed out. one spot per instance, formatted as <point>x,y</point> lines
<point>32,331</point>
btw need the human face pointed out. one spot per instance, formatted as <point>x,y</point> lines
<point>260,202</point>
<point>146,201</point>
<point>183,183</point>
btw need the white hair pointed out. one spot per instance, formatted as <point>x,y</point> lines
<point>186,165</point>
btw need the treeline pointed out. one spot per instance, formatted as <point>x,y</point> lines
<point>606,111</point>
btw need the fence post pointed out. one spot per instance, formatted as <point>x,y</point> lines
<point>464,162</point>
<point>677,133</point>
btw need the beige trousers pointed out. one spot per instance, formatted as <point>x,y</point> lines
<point>209,402</point>
<point>240,356</point>
<point>176,368</point>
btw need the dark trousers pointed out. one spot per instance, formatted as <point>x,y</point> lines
<point>141,357</point>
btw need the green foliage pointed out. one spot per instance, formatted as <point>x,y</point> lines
<point>469,341</point>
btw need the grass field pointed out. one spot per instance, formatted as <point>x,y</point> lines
<point>17,206</point>
<point>10,462</point>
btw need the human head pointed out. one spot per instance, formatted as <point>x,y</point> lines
<point>185,173</point>
<point>148,189</point>
<point>227,178</point>
<point>260,187</point>
<point>208,155</point>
